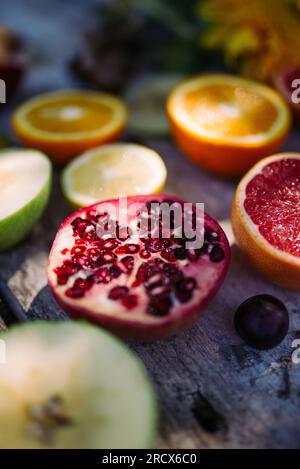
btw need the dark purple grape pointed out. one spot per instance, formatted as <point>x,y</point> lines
<point>262,321</point>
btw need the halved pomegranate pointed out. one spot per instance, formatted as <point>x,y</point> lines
<point>131,278</point>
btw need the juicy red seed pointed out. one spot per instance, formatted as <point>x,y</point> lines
<point>128,249</point>
<point>211,236</point>
<point>80,261</point>
<point>79,222</point>
<point>168,254</point>
<point>117,293</point>
<point>154,281</point>
<point>145,254</point>
<point>189,283</point>
<point>64,251</point>
<point>90,235</point>
<point>108,257</point>
<point>180,253</point>
<point>143,273</point>
<point>69,267</point>
<point>183,295</point>
<point>129,301</point>
<point>84,284</point>
<point>59,270</point>
<point>79,249</point>
<point>78,241</point>
<point>217,254</point>
<point>62,279</point>
<point>159,305</point>
<point>156,245</point>
<point>128,262</point>
<point>74,292</point>
<point>110,244</point>
<point>102,275</point>
<point>115,271</point>
<point>173,273</point>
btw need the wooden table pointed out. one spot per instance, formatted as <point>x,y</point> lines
<point>214,392</point>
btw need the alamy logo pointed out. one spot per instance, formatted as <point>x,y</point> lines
<point>2,352</point>
<point>2,91</point>
<point>295,96</point>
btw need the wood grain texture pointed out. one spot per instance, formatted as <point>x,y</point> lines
<point>257,394</point>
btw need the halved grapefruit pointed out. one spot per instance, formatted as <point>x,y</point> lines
<point>266,218</point>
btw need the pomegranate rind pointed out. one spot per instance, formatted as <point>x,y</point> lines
<point>144,327</point>
<point>278,266</point>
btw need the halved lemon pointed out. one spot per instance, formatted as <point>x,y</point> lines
<point>113,170</point>
<point>265,218</point>
<point>63,124</point>
<point>225,124</point>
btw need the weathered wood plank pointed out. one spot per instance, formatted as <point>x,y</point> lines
<point>256,393</point>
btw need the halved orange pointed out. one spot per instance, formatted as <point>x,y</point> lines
<point>63,124</point>
<point>225,124</point>
<point>266,218</point>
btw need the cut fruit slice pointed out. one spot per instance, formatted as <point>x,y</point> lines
<point>146,101</point>
<point>25,179</point>
<point>225,123</point>
<point>64,124</point>
<point>265,218</point>
<point>114,170</point>
<point>71,385</point>
<point>112,264</point>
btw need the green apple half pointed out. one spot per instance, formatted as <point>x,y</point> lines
<point>25,180</point>
<point>72,385</point>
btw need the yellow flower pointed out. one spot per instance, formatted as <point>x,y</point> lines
<point>259,37</point>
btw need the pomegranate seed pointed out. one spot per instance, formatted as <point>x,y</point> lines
<point>62,279</point>
<point>127,249</point>
<point>74,292</point>
<point>64,251</point>
<point>108,257</point>
<point>84,284</point>
<point>110,244</point>
<point>183,295</point>
<point>129,301</point>
<point>173,273</point>
<point>115,271</point>
<point>59,270</point>
<point>128,262</point>
<point>159,305</point>
<point>168,254</point>
<point>117,293</point>
<point>78,249</point>
<point>69,267</point>
<point>180,253</point>
<point>217,254</point>
<point>80,261</point>
<point>102,275</point>
<point>143,273</point>
<point>145,254</point>
<point>211,236</point>
<point>188,283</point>
<point>156,245</point>
<point>90,234</point>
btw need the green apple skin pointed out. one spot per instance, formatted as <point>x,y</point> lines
<point>17,226</point>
